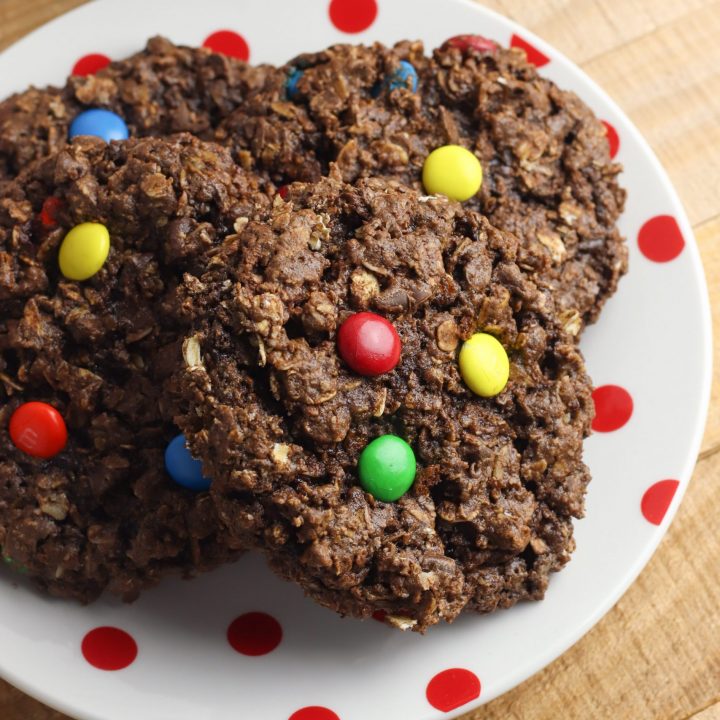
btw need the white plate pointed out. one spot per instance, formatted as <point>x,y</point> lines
<point>653,339</point>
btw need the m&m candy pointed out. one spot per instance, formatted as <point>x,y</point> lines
<point>100,123</point>
<point>38,429</point>
<point>484,365</point>
<point>404,76</point>
<point>84,251</point>
<point>19,567</point>
<point>453,171</point>
<point>183,468</point>
<point>369,344</point>
<point>471,42</point>
<point>49,212</point>
<point>291,88</point>
<point>387,468</point>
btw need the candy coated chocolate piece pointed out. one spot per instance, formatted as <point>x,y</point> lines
<point>84,251</point>
<point>369,344</point>
<point>49,212</point>
<point>471,42</point>
<point>404,76</point>
<point>453,171</point>
<point>291,83</point>
<point>38,429</point>
<point>484,365</point>
<point>101,123</point>
<point>183,468</point>
<point>387,468</point>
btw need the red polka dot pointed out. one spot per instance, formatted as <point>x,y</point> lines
<point>90,64</point>
<point>660,239</point>
<point>379,615</point>
<point>452,688</point>
<point>314,712</point>
<point>613,408</point>
<point>612,138</point>
<point>227,42</point>
<point>254,634</point>
<point>534,56</point>
<point>657,499</point>
<point>109,648</point>
<point>353,16</point>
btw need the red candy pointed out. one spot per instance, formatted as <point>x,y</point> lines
<point>471,42</point>
<point>369,344</point>
<point>38,429</point>
<point>48,214</point>
<point>283,191</point>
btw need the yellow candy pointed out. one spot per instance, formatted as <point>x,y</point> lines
<point>453,171</point>
<point>84,251</point>
<point>484,365</point>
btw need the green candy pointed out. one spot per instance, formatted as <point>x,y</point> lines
<point>387,468</point>
<point>9,561</point>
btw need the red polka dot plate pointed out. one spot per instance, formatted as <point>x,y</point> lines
<point>238,643</point>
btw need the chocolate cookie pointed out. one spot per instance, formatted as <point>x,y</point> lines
<point>548,175</point>
<point>280,419</point>
<point>100,511</point>
<point>378,111</point>
<point>162,90</point>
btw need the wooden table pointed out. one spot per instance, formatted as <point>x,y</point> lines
<point>657,653</point>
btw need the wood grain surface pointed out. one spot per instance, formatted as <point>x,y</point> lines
<point>656,655</point>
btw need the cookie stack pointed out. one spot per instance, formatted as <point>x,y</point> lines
<point>329,311</point>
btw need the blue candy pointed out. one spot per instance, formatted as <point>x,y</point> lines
<point>182,467</point>
<point>403,76</point>
<point>100,123</point>
<point>291,87</point>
